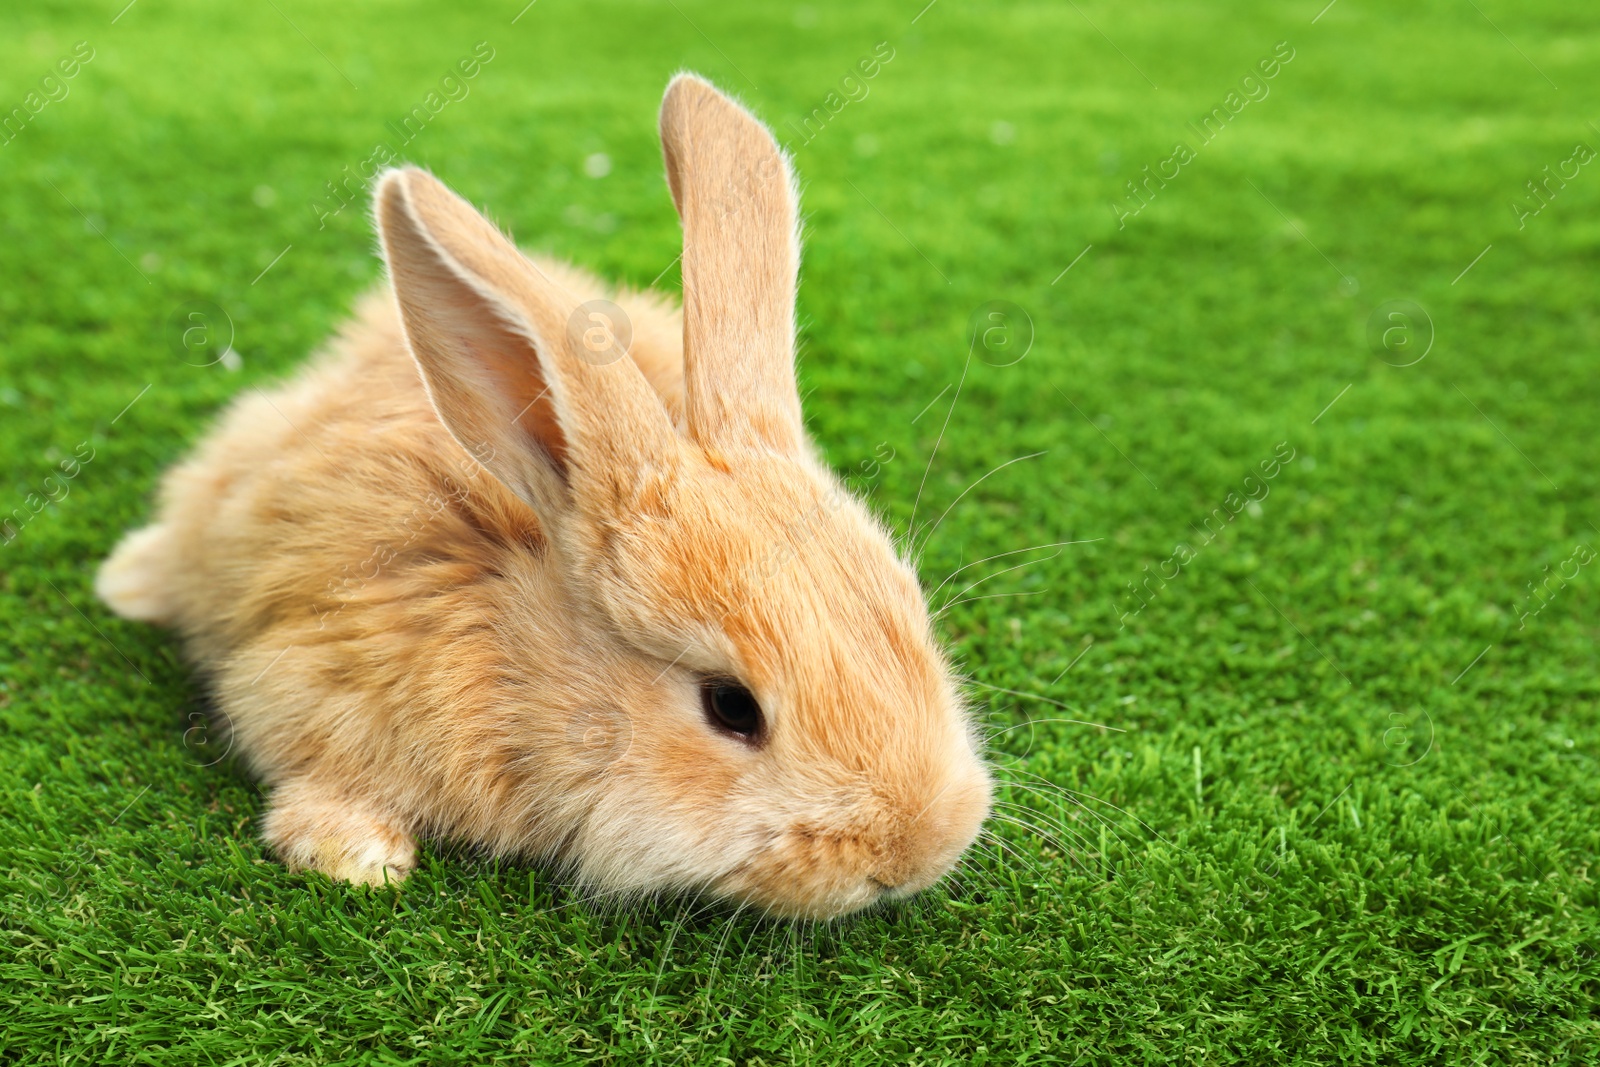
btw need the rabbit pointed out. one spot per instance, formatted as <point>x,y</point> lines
<point>472,577</point>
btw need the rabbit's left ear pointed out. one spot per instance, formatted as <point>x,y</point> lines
<point>493,338</point>
<point>741,255</point>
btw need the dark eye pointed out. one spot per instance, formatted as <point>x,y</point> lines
<point>730,706</point>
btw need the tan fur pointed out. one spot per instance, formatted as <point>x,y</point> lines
<point>478,603</point>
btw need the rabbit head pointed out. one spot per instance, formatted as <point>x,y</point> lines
<point>795,740</point>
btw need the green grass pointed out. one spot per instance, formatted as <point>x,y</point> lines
<point>1350,815</point>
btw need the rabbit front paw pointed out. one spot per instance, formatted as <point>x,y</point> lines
<point>318,828</point>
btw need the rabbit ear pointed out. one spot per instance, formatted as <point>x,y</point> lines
<point>741,253</point>
<point>489,332</point>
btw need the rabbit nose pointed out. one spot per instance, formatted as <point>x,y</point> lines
<point>907,867</point>
<point>931,841</point>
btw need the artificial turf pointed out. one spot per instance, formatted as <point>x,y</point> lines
<point>1347,809</point>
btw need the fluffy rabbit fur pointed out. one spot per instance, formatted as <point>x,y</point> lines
<point>484,603</point>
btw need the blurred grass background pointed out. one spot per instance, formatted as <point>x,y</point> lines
<point>1350,812</point>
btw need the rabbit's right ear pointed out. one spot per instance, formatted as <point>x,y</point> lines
<point>741,254</point>
<point>489,332</point>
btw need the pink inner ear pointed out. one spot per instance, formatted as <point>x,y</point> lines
<point>492,333</point>
<point>454,276</point>
<point>524,390</point>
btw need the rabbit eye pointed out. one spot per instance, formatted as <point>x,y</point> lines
<point>731,707</point>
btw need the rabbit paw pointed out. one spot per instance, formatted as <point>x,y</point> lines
<point>316,828</point>
<point>134,582</point>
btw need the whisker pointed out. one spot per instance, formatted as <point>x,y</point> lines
<point>975,879</point>
<point>929,533</point>
<point>1070,796</point>
<point>1037,722</point>
<point>999,732</point>
<point>1074,662</point>
<point>960,882</point>
<point>1008,848</point>
<point>1067,855</point>
<point>1001,555</point>
<point>1082,840</point>
<point>997,574</point>
<point>994,862</point>
<point>977,848</point>
<point>990,596</point>
<point>1064,800</point>
<point>1042,835</point>
<point>1027,861</point>
<point>722,942</point>
<point>1073,794</point>
<point>775,928</point>
<point>911,527</point>
<point>708,905</point>
<point>1047,700</point>
<point>666,952</point>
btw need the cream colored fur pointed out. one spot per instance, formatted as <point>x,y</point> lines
<point>478,603</point>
